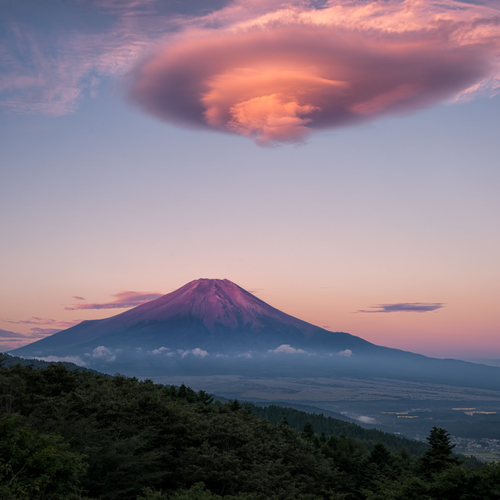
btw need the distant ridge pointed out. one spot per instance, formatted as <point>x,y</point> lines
<point>9,360</point>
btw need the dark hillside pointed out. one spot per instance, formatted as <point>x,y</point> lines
<point>333,427</point>
<point>65,431</point>
<point>10,360</point>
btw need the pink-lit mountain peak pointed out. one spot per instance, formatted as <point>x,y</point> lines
<point>214,302</point>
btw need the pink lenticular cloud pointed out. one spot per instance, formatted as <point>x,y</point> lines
<point>277,73</point>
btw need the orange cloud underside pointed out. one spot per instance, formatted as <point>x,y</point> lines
<point>275,76</point>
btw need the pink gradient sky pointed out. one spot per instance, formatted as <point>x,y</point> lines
<point>129,165</point>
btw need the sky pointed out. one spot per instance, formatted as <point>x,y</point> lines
<point>338,159</point>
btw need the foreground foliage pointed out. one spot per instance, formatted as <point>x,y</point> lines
<point>36,466</point>
<point>331,426</point>
<point>64,432</point>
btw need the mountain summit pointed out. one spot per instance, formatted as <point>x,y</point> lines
<point>215,303</point>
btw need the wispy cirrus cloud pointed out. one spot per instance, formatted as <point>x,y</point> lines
<point>277,71</point>
<point>53,324</point>
<point>5,334</point>
<point>419,307</point>
<point>11,340</point>
<point>54,56</point>
<point>122,300</point>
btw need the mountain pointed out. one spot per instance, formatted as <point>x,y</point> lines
<point>213,315</point>
<point>211,326</point>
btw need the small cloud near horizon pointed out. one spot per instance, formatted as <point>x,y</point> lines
<point>200,353</point>
<point>5,334</point>
<point>103,353</point>
<point>45,331</point>
<point>287,349</point>
<point>12,340</point>
<point>347,353</point>
<point>419,307</point>
<point>123,300</point>
<point>37,333</point>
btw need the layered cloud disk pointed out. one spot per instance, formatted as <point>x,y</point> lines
<point>275,73</point>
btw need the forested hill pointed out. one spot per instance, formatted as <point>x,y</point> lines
<point>75,435</point>
<point>295,418</point>
<point>10,360</point>
<point>329,426</point>
<point>306,409</point>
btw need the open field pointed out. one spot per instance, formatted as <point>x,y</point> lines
<point>327,389</point>
<point>400,407</point>
<point>484,456</point>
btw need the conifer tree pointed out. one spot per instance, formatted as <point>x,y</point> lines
<point>308,431</point>
<point>439,456</point>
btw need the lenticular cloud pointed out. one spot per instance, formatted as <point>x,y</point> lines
<point>277,75</point>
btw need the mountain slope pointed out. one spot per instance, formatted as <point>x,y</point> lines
<point>212,327</point>
<point>206,314</point>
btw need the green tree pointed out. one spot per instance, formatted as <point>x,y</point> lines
<point>453,483</point>
<point>36,466</point>
<point>308,432</point>
<point>196,492</point>
<point>440,455</point>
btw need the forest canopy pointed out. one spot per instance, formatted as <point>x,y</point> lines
<point>75,434</point>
